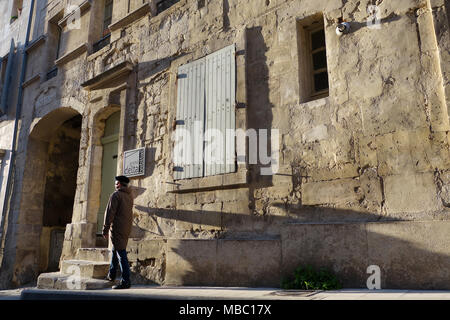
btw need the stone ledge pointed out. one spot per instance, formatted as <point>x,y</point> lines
<point>131,17</point>
<point>85,268</point>
<point>61,281</point>
<point>72,54</point>
<point>36,43</point>
<point>222,181</point>
<point>31,80</point>
<point>115,72</point>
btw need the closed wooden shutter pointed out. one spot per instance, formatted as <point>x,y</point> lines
<point>205,110</point>
<point>190,120</point>
<point>220,115</point>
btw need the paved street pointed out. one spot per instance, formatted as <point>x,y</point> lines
<point>220,293</point>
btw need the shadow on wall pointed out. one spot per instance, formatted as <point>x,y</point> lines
<point>259,251</point>
<point>259,111</point>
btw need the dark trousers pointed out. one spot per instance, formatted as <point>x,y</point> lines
<point>119,258</point>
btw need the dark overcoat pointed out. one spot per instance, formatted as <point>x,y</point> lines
<point>119,217</point>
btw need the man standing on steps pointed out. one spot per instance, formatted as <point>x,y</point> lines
<point>118,220</point>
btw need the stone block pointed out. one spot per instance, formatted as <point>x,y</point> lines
<point>341,248</point>
<point>371,186</point>
<point>206,197</point>
<point>236,216</point>
<point>411,194</point>
<point>83,268</point>
<point>410,254</point>
<point>337,192</point>
<point>191,262</point>
<point>94,254</point>
<point>232,194</point>
<point>151,249</point>
<point>239,263</point>
<point>210,217</point>
<point>444,188</point>
<point>341,171</point>
<point>408,152</point>
<point>186,198</point>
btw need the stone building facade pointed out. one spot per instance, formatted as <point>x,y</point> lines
<point>354,171</point>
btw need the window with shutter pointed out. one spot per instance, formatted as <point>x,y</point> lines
<point>6,74</point>
<point>205,123</point>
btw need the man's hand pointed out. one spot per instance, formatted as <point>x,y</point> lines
<point>105,231</point>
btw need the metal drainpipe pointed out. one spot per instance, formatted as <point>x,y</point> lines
<point>16,122</point>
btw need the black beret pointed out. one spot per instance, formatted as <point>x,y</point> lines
<point>123,179</point>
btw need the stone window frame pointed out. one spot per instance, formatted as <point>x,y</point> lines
<point>305,28</point>
<point>16,10</point>
<point>54,31</point>
<point>236,179</point>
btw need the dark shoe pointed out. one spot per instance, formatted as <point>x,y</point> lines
<point>122,286</point>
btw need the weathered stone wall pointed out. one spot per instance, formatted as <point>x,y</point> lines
<point>363,173</point>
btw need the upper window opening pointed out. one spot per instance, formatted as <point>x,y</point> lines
<point>16,10</point>
<point>3,64</point>
<point>107,16</point>
<point>313,70</point>
<point>319,61</point>
<point>164,4</point>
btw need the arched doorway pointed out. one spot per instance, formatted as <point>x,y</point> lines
<point>60,188</point>
<point>48,190</point>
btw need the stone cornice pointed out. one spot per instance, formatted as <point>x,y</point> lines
<point>218,182</point>
<point>131,17</point>
<point>36,43</point>
<point>115,72</point>
<point>31,80</point>
<point>72,54</point>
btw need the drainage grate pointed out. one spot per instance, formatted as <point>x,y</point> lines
<point>296,293</point>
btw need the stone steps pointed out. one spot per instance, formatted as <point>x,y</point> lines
<point>94,254</point>
<point>85,268</point>
<point>60,281</point>
<point>86,272</point>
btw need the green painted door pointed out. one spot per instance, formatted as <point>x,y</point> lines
<point>110,142</point>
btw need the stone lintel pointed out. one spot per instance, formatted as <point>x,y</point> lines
<point>131,17</point>
<point>115,72</point>
<point>72,54</point>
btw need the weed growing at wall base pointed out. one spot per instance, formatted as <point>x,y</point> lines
<point>307,278</point>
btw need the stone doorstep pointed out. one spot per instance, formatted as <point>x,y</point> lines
<point>61,281</point>
<point>85,268</point>
<point>94,254</point>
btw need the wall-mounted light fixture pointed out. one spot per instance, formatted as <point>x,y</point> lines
<point>342,28</point>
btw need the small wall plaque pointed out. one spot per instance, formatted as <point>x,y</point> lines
<point>134,162</point>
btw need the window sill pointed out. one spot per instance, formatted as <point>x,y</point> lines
<point>36,43</point>
<point>222,181</point>
<point>72,54</point>
<point>30,81</point>
<point>131,17</point>
<point>115,72</point>
<point>319,102</point>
